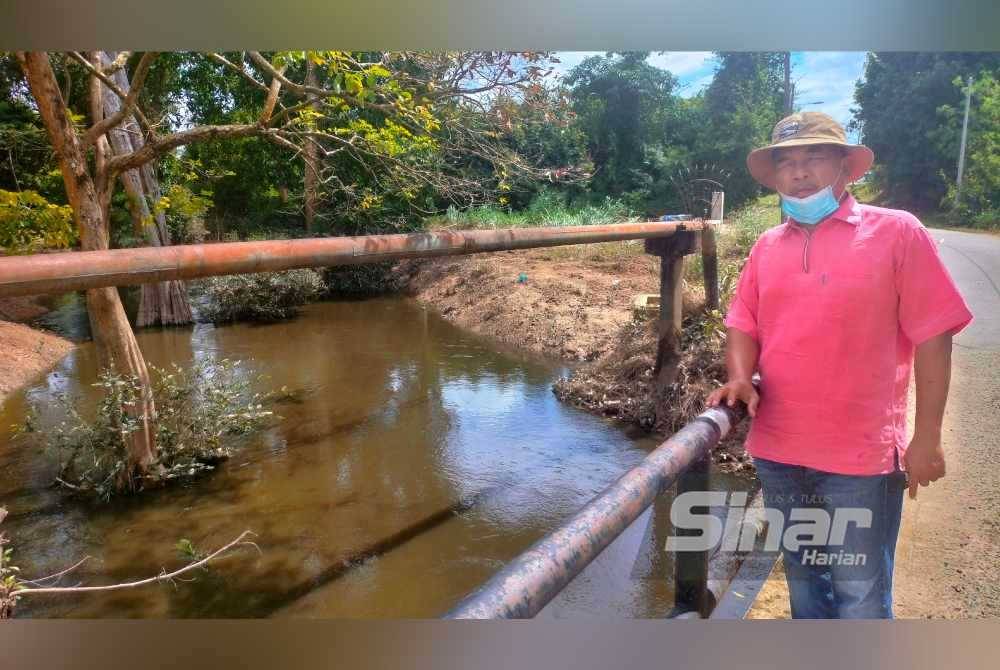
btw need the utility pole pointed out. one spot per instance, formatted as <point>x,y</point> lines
<point>789,91</point>
<point>961,150</point>
<point>789,108</point>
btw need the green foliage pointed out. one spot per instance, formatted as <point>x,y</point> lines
<point>360,280</point>
<point>10,582</point>
<point>199,409</point>
<point>263,296</point>
<point>29,223</point>
<point>26,158</point>
<point>742,228</point>
<point>979,205</point>
<point>543,128</point>
<point>186,211</point>
<point>742,104</point>
<point>623,106</point>
<point>897,112</point>
<point>186,549</point>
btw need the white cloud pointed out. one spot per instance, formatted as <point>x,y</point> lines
<point>681,63</point>
<point>828,77</point>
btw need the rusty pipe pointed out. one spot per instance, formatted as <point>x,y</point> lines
<point>532,579</point>
<point>50,273</point>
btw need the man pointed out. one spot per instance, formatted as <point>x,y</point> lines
<point>832,308</point>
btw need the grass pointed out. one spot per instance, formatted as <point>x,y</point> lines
<point>548,209</point>
<point>600,252</point>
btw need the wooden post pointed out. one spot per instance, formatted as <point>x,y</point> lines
<point>709,257</point>
<point>691,592</point>
<point>671,251</point>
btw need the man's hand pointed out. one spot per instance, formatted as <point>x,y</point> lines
<point>737,389</point>
<point>924,460</point>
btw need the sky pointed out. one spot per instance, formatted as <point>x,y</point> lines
<point>825,77</point>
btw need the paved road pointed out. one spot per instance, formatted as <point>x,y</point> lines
<point>948,556</point>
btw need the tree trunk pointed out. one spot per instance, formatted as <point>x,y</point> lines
<point>311,156</point>
<point>163,303</point>
<point>89,197</point>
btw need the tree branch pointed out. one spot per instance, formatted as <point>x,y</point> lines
<point>142,582</point>
<point>303,90</point>
<point>114,89</point>
<point>272,99</point>
<point>163,144</point>
<point>138,79</point>
<point>218,58</point>
<point>60,573</point>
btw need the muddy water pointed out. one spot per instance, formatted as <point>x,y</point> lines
<point>411,444</point>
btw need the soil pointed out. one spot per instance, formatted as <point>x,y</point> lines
<point>27,352</point>
<point>576,304</point>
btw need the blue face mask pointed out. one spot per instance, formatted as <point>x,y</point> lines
<point>812,208</point>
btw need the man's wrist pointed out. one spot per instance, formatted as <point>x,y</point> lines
<point>927,435</point>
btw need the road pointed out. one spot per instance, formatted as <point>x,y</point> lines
<point>948,555</point>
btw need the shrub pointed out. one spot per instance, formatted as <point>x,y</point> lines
<point>267,296</point>
<point>30,223</point>
<point>198,410</point>
<point>360,280</point>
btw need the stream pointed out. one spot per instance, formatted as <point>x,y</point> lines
<point>414,460</point>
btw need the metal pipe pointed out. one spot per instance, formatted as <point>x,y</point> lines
<point>50,273</point>
<point>532,579</point>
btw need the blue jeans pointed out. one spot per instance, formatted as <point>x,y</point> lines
<point>845,573</point>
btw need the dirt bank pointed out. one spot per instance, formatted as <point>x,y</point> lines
<point>27,352</point>
<point>576,304</point>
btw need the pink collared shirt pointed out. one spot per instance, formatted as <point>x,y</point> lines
<point>837,309</point>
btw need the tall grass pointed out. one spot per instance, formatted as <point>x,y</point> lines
<point>547,209</point>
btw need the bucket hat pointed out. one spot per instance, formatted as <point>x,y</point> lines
<point>803,128</point>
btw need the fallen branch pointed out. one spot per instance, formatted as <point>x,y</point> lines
<point>20,592</point>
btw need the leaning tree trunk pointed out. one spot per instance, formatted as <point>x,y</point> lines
<point>166,302</point>
<point>310,192</point>
<point>90,198</point>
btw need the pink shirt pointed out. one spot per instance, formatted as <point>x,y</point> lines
<point>837,310</point>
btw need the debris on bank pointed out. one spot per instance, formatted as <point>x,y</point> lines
<point>621,385</point>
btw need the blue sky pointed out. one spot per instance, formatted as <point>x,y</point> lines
<point>825,77</point>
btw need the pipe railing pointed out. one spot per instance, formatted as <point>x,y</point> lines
<point>530,581</point>
<point>58,272</point>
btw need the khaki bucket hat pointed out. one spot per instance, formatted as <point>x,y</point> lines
<point>808,128</point>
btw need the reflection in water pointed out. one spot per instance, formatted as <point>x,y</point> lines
<point>400,418</point>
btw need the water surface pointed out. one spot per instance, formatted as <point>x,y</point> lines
<point>409,437</point>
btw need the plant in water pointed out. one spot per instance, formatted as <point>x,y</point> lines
<point>199,410</point>
<point>266,296</point>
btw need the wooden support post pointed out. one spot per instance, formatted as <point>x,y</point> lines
<point>709,257</point>
<point>671,251</point>
<point>691,592</point>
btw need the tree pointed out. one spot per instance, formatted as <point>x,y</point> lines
<point>165,302</point>
<point>742,104</point>
<point>400,112</point>
<point>979,203</point>
<point>897,102</point>
<point>621,103</point>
